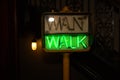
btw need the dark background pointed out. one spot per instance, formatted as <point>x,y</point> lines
<point>20,23</point>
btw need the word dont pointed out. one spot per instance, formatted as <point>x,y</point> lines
<point>66,24</point>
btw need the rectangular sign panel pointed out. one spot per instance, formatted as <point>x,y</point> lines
<point>65,32</point>
<point>66,42</point>
<point>65,24</point>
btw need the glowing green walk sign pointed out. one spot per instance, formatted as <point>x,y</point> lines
<point>66,42</point>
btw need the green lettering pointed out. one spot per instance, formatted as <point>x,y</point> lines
<point>66,41</point>
<point>63,42</point>
<point>71,43</point>
<point>52,41</point>
<point>81,41</point>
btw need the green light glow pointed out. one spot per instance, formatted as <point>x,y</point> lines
<point>52,41</point>
<point>66,41</point>
<point>63,42</point>
<point>80,41</point>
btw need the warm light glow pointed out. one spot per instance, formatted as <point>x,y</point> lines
<point>34,45</point>
<point>51,19</point>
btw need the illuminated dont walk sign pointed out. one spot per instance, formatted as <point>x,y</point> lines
<point>65,32</point>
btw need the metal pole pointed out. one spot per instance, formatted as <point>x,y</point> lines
<point>66,66</point>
